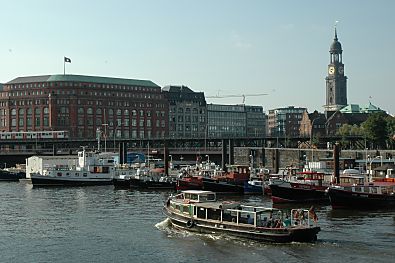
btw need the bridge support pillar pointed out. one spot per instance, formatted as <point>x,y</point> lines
<point>231,152</point>
<point>223,159</point>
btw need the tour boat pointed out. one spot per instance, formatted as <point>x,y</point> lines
<point>93,168</point>
<point>199,211</point>
<point>308,186</point>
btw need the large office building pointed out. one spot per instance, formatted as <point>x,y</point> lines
<point>84,106</point>
<point>187,112</point>
<point>235,121</point>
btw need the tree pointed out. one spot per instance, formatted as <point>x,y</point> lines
<point>391,131</point>
<point>376,130</point>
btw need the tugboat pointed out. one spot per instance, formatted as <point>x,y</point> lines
<point>93,168</point>
<point>199,211</point>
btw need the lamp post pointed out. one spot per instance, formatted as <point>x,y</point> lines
<point>171,161</point>
<point>115,133</point>
<point>311,138</point>
<point>370,166</point>
<point>105,136</point>
<point>208,158</point>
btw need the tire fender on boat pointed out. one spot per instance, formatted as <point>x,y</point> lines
<point>190,223</point>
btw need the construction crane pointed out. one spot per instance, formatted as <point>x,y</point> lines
<point>236,96</point>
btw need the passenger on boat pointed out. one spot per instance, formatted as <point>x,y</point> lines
<point>287,221</point>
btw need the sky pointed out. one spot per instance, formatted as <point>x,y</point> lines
<point>219,47</point>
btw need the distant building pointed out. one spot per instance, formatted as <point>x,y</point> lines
<point>312,124</point>
<point>255,121</point>
<point>336,81</point>
<point>84,106</point>
<point>226,121</point>
<point>187,115</point>
<point>356,108</point>
<point>285,122</point>
<point>338,119</point>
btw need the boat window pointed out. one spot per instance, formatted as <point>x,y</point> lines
<point>59,174</point>
<point>201,213</point>
<point>185,209</point>
<point>85,175</point>
<point>214,214</point>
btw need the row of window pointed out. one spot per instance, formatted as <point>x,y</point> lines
<point>81,84</point>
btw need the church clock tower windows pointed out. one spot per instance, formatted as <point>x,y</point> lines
<point>336,81</point>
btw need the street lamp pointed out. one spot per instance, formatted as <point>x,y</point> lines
<point>105,136</point>
<point>370,166</point>
<point>115,132</point>
<point>171,161</point>
<point>311,137</point>
<point>208,158</point>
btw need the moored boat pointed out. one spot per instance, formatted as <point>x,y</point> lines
<point>199,211</point>
<point>368,196</point>
<point>308,186</point>
<point>93,168</point>
<point>10,175</point>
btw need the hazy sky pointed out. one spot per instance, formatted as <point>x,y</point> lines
<point>218,47</point>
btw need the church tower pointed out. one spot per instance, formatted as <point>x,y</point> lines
<point>336,81</point>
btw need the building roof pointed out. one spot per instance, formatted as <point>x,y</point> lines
<point>356,108</point>
<point>182,88</point>
<point>336,47</point>
<point>82,78</point>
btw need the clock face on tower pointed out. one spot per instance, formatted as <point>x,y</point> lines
<point>331,70</point>
<point>341,70</point>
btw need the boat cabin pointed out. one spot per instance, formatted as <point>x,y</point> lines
<point>202,205</point>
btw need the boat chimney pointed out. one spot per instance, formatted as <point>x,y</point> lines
<point>336,166</point>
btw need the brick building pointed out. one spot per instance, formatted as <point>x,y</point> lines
<point>84,105</point>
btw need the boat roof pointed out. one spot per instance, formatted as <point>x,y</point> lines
<point>310,172</point>
<point>197,192</point>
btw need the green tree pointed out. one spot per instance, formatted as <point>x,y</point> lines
<point>376,130</point>
<point>391,130</point>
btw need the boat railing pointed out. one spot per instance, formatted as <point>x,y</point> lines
<point>303,217</point>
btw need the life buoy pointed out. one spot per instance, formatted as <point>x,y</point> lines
<point>189,224</point>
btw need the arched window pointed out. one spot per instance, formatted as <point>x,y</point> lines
<point>134,113</point>
<point>126,112</point>
<point>81,110</point>
<point>98,111</point>
<point>89,111</point>
<point>13,112</point>
<point>21,112</point>
<point>46,110</point>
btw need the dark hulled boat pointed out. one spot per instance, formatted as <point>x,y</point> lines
<point>372,196</point>
<point>198,211</point>
<point>306,187</point>
<point>6,175</point>
<point>148,182</point>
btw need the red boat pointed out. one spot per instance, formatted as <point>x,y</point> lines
<point>190,183</point>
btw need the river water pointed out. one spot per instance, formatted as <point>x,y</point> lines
<point>100,224</point>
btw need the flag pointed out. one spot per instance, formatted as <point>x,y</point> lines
<point>68,60</point>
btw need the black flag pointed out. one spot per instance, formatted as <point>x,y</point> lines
<point>68,60</point>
